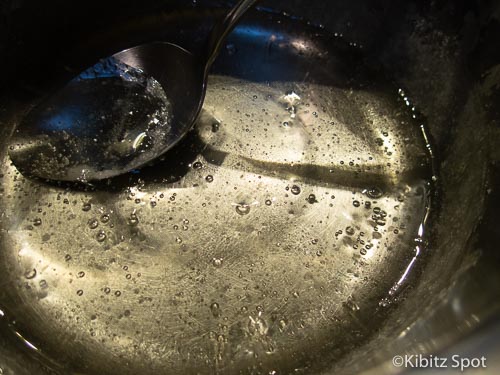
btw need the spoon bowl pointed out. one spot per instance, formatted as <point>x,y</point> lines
<point>120,114</point>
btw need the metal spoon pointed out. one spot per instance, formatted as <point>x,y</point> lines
<point>120,114</point>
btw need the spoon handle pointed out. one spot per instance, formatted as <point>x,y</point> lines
<point>222,29</point>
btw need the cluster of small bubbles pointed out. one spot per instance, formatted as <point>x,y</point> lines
<point>93,223</point>
<point>101,236</point>
<point>351,304</point>
<point>384,302</point>
<point>209,178</point>
<point>268,202</point>
<point>30,274</point>
<point>243,209</point>
<point>311,199</point>
<point>86,207</point>
<point>217,262</point>
<point>215,309</point>
<point>379,216</point>
<point>295,189</point>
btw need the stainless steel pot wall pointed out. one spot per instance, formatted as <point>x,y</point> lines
<point>443,53</point>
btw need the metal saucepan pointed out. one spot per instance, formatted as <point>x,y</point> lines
<point>335,206</point>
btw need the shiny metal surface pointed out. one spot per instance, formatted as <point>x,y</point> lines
<point>121,113</point>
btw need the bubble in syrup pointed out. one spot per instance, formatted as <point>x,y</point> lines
<point>93,223</point>
<point>30,273</point>
<point>282,324</point>
<point>374,192</point>
<point>79,292</point>
<point>133,219</point>
<point>242,209</point>
<point>37,222</point>
<point>86,207</point>
<point>350,230</point>
<point>295,190</point>
<point>217,262</point>
<point>215,309</point>
<point>268,202</point>
<point>231,49</point>
<point>100,236</point>
<point>209,178</point>
<point>311,199</point>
